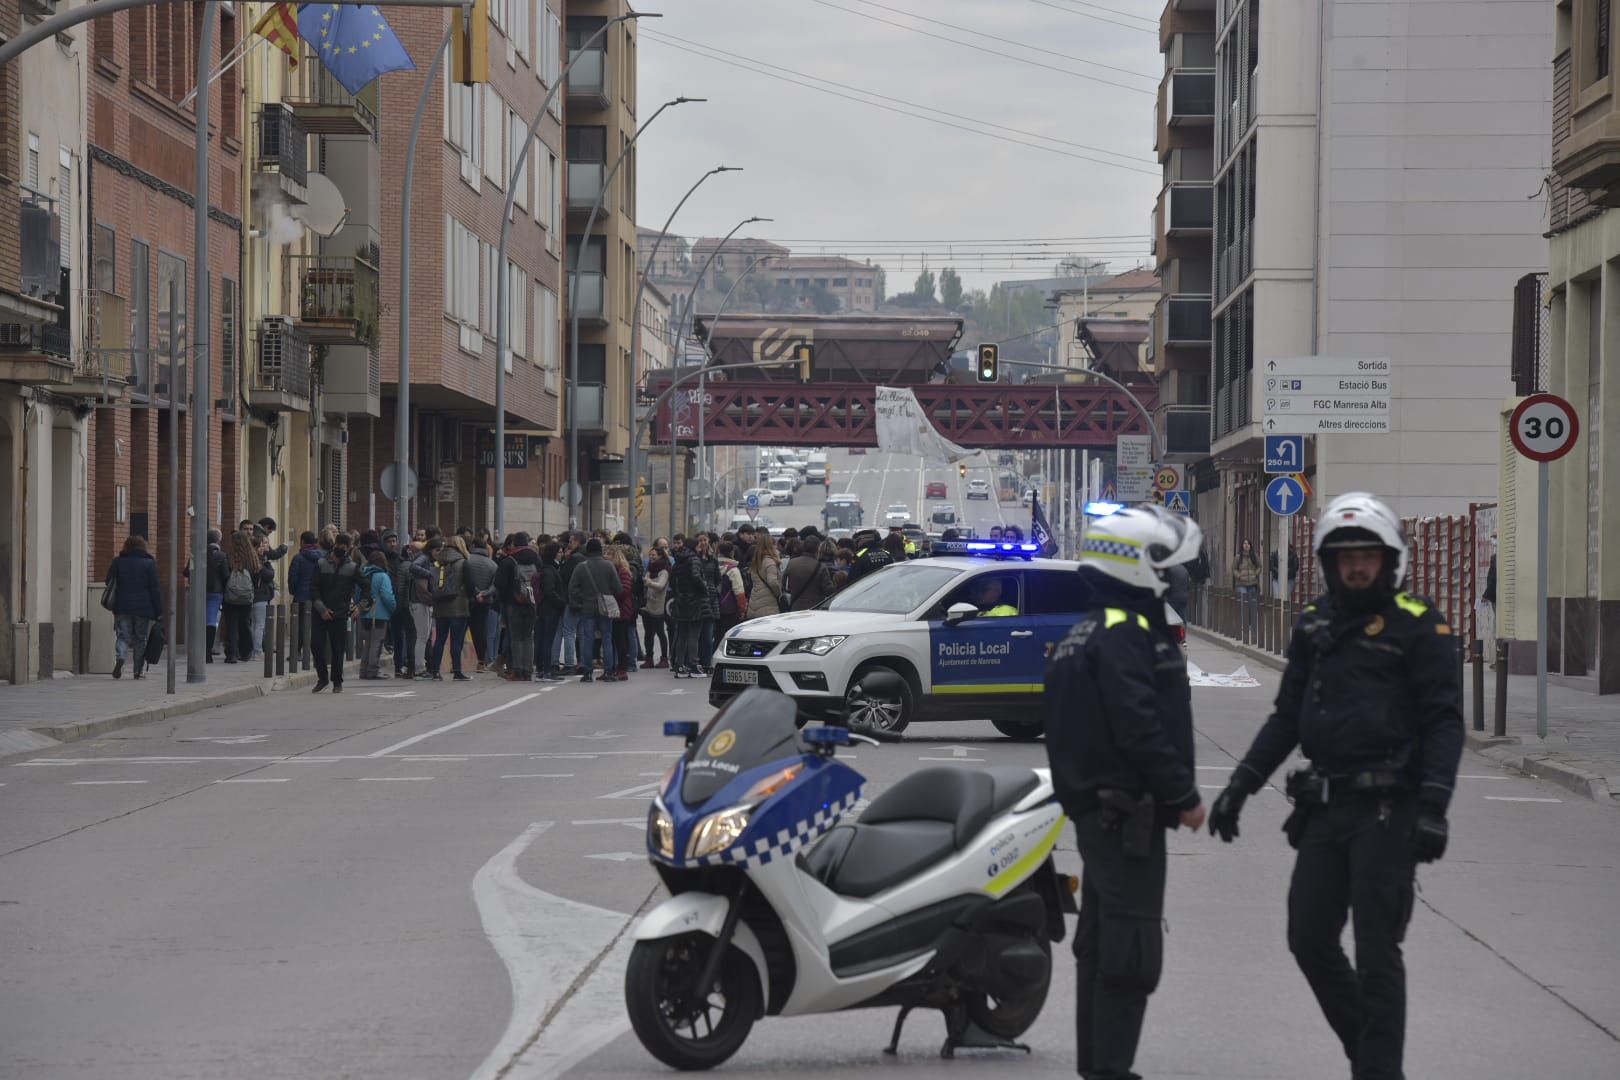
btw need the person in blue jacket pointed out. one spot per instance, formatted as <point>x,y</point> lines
<point>304,569</point>
<point>379,592</point>
<point>137,602</point>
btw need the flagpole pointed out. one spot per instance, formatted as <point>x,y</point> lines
<point>234,57</point>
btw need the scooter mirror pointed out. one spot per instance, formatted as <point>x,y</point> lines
<point>685,729</point>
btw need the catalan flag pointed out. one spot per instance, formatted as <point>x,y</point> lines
<point>354,43</point>
<point>279,26</point>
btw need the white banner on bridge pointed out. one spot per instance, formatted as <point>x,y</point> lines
<point>902,428</point>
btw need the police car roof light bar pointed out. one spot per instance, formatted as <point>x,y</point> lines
<point>1098,508</point>
<point>990,549</point>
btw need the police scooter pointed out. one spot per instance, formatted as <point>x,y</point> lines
<point>944,895</point>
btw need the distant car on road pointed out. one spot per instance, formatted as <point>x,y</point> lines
<point>978,489</point>
<point>896,514</point>
<point>857,451</point>
<point>944,516</point>
<point>781,488</point>
<point>936,489</point>
<point>763,493</point>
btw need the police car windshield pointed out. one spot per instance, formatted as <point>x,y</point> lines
<point>895,590</point>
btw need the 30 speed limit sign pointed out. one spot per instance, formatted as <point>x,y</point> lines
<point>1543,427</point>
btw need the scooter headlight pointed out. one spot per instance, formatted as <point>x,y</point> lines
<point>661,830</point>
<point>719,831</point>
<point>815,646</point>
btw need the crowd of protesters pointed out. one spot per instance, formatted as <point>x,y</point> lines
<point>543,608</point>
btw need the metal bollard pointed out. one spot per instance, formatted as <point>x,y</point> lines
<point>1476,656</point>
<point>281,638</point>
<point>268,641</point>
<point>352,646</point>
<point>304,644</point>
<point>1499,727</point>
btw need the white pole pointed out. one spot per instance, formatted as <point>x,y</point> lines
<point>1541,600</point>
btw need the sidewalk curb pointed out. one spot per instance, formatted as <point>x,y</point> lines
<point>73,731</point>
<point>1508,751</point>
<point>1276,663</point>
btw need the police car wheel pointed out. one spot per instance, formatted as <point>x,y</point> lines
<point>879,712</point>
<point>1023,730</point>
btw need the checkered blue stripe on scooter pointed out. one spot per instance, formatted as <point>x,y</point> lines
<point>786,841</point>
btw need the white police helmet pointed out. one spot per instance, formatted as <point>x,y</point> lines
<point>1135,545</point>
<point>1357,521</point>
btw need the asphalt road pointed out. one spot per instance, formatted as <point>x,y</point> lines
<point>438,884</point>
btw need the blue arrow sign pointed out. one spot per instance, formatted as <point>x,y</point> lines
<point>1284,496</point>
<point>1178,500</point>
<point>1285,453</point>
<point>752,502</point>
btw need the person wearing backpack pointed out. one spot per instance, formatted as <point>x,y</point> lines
<point>377,606</point>
<point>732,594</point>
<point>518,590</point>
<point>236,600</point>
<point>451,604</point>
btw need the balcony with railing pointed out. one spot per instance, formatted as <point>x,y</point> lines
<point>1190,98</point>
<point>585,180</point>
<point>281,377</point>
<point>589,81</point>
<point>324,107</point>
<point>282,146</point>
<point>338,298</point>
<point>1189,209</point>
<point>588,298</point>
<point>587,401</point>
<point>1183,320</point>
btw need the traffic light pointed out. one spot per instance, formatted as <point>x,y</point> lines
<point>989,369</point>
<point>805,354</point>
<point>961,470</point>
<point>469,43</point>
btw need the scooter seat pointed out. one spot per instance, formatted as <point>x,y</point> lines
<point>922,819</point>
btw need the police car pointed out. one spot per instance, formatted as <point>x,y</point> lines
<point>967,631</point>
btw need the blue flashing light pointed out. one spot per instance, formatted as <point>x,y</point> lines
<point>1098,508</point>
<point>685,729</point>
<point>987,549</point>
<point>826,734</point>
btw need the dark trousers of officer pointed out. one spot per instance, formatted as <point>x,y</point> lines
<point>1355,859</point>
<point>331,637</point>
<point>1118,948</point>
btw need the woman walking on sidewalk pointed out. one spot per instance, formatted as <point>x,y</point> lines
<point>624,627</point>
<point>377,603</point>
<point>137,602</point>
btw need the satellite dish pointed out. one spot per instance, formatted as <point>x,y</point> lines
<point>323,211</point>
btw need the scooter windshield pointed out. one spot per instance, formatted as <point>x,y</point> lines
<point>756,727</point>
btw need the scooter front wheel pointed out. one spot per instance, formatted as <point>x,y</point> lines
<point>681,1024</point>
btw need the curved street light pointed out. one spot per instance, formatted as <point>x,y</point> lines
<point>635,345</point>
<point>753,264</point>
<point>576,494</point>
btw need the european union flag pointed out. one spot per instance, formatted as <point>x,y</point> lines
<point>355,44</point>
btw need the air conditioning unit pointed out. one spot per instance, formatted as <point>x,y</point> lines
<point>276,339</point>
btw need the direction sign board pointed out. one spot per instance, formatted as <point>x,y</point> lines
<point>1544,427</point>
<point>1179,501</point>
<point>1321,395</point>
<point>1285,453</point>
<point>1133,467</point>
<point>1284,496</point>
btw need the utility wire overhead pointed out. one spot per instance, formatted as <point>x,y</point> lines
<point>878,101</point>
<point>1099,18</point>
<point>1151,20</point>
<point>1152,78</point>
<point>977,48</point>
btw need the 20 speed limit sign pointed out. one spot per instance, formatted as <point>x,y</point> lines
<point>1544,427</point>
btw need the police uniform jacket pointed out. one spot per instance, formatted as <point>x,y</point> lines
<point>1118,709</point>
<point>867,560</point>
<point>1368,692</point>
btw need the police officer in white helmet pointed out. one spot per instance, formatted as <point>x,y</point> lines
<point>1119,737</point>
<point>1372,696</point>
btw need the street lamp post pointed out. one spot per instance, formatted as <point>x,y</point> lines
<point>635,348</point>
<point>691,298</point>
<point>576,495</point>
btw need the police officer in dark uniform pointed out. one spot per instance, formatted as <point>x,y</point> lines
<point>870,555</point>
<point>1119,737</point>
<point>1371,694</point>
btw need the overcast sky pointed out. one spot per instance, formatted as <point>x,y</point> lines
<point>843,176</point>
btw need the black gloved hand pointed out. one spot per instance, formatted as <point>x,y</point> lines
<point>1429,835</point>
<point>1223,816</point>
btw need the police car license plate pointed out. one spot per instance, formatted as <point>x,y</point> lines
<point>741,676</point>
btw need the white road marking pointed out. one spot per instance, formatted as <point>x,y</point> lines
<point>385,779</point>
<point>537,776</point>
<point>255,780</point>
<point>610,821</point>
<point>670,693</point>
<point>434,757</point>
<point>1517,798</point>
<point>1479,776</point>
<point>640,791</point>
<point>1218,768</point>
<point>228,740</point>
<point>620,856</point>
<point>957,759</point>
<point>599,736</point>
<point>414,739</point>
<point>94,782</point>
<point>45,761</point>
<point>650,774</point>
<point>397,694</point>
<point>545,941</point>
<point>956,751</point>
